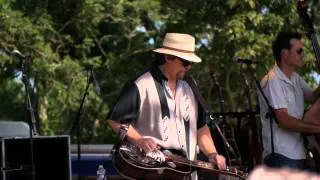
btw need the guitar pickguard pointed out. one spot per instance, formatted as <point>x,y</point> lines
<point>137,156</point>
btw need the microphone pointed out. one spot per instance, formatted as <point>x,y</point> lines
<point>95,82</point>
<point>18,54</point>
<point>244,61</point>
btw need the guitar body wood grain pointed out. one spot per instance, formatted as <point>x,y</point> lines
<point>131,170</point>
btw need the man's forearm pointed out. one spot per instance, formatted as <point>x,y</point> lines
<point>132,133</point>
<point>146,143</point>
<point>205,141</point>
<point>291,123</point>
<point>298,125</point>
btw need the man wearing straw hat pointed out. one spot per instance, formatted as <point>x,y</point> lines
<point>161,107</point>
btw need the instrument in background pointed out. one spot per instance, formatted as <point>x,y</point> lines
<point>303,13</point>
<point>133,163</point>
<point>312,115</point>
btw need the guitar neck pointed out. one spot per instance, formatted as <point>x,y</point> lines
<point>303,13</point>
<point>207,167</point>
<point>315,45</point>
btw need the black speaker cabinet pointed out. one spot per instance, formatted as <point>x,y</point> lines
<point>51,156</point>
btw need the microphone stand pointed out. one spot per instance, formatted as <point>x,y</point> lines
<point>221,103</point>
<point>255,149</point>
<point>76,123</point>
<point>270,113</point>
<point>229,147</point>
<point>31,116</point>
<point>207,109</point>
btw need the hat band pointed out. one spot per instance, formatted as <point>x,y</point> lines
<point>180,50</point>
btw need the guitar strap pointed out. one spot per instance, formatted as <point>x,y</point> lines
<point>187,130</point>
<point>269,115</point>
<point>197,93</point>
<point>206,108</point>
<point>165,108</point>
<point>163,100</point>
<point>198,96</point>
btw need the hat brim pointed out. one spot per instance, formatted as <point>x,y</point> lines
<point>186,56</point>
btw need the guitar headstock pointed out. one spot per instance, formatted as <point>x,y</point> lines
<point>303,13</point>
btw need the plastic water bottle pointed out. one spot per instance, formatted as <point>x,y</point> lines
<point>101,173</point>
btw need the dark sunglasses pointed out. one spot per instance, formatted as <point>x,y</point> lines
<point>299,51</point>
<point>185,63</point>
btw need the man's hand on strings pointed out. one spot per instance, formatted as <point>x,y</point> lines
<point>146,144</point>
<point>218,160</point>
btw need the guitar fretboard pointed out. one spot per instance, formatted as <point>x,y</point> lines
<point>207,166</point>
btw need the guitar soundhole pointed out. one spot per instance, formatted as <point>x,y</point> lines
<point>137,156</point>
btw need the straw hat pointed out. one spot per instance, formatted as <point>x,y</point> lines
<point>180,45</point>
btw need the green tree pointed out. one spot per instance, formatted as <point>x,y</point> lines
<point>63,39</point>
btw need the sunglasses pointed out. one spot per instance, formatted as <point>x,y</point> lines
<point>185,63</point>
<point>299,51</point>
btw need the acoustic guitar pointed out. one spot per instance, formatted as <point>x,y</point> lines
<point>313,113</point>
<point>133,163</point>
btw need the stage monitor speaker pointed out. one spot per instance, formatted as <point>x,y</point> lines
<point>51,158</point>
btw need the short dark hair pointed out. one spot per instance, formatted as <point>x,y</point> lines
<point>283,41</point>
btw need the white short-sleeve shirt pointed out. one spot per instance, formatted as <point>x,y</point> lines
<point>283,92</point>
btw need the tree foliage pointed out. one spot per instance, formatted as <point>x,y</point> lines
<point>64,40</point>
